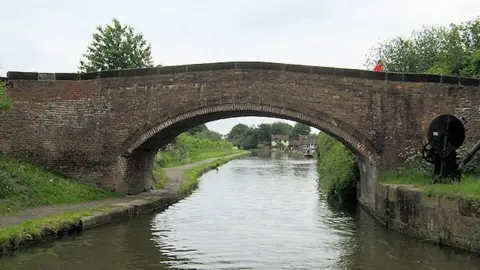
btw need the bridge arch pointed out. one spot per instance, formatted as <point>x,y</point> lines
<point>139,153</point>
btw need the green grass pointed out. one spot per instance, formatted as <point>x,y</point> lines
<point>37,230</point>
<point>159,178</point>
<point>191,176</point>
<point>467,188</point>
<point>23,185</point>
<point>199,155</point>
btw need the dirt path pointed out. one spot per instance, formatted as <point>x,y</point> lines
<point>174,179</point>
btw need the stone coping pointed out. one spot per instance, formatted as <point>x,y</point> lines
<point>264,66</point>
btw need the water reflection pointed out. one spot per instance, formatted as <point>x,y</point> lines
<point>261,212</point>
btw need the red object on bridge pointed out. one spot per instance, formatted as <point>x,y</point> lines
<point>378,67</point>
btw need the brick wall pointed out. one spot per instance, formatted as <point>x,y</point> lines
<point>105,128</point>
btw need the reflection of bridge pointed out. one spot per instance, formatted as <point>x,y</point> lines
<point>106,127</point>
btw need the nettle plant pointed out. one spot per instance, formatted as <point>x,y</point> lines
<point>414,160</point>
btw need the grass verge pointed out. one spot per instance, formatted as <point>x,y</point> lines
<point>191,176</point>
<point>159,178</point>
<point>200,155</point>
<point>467,188</point>
<point>23,185</point>
<point>34,231</point>
<point>159,173</point>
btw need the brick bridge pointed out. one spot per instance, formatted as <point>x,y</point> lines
<point>105,128</point>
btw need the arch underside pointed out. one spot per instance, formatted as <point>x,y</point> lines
<point>164,132</point>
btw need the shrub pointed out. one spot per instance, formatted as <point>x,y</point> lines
<point>337,169</point>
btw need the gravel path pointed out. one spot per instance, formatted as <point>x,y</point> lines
<point>174,179</point>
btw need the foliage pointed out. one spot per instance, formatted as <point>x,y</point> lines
<point>187,149</point>
<point>300,129</point>
<point>6,104</point>
<point>337,169</point>
<point>281,128</point>
<point>114,47</point>
<point>246,137</point>
<point>208,135</point>
<point>159,178</point>
<point>197,129</point>
<point>418,170</point>
<point>238,134</point>
<point>23,185</point>
<point>264,133</point>
<point>452,50</point>
<point>468,188</point>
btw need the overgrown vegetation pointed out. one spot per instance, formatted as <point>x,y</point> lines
<point>37,230</point>
<point>452,50</point>
<point>337,169</point>
<point>246,137</point>
<point>6,104</point>
<point>24,185</point>
<point>419,173</point>
<point>188,149</point>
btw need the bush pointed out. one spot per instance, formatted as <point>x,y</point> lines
<point>414,162</point>
<point>418,171</point>
<point>337,169</point>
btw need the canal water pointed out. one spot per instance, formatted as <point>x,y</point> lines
<point>260,212</point>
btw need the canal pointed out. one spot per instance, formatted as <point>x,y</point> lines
<point>260,212</point>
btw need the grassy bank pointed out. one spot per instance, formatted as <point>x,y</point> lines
<point>417,172</point>
<point>467,188</point>
<point>185,150</point>
<point>37,230</point>
<point>337,169</point>
<point>191,176</point>
<point>23,185</point>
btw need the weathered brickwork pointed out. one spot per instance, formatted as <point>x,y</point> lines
<point>106,127</point>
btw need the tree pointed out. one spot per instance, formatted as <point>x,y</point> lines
<point>208,135</point>
<point>197,129</point>
<point>264,133</point>
<point>452,50</point>
<point>6,104</point>
<point>238,134</point>
<point>300,129</point>
<point>281,128</point>
<point>116,47</point>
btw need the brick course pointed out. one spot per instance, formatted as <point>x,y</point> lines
<point>105,128</point>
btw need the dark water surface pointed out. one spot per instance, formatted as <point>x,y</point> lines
<point>261,212</point>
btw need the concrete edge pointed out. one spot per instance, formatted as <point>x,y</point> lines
<point>388,210</point>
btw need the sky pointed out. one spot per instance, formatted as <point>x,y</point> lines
<point>51,36</point>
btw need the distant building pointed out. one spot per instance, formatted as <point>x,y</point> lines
<point>303,143</point>
<point>280,141</point>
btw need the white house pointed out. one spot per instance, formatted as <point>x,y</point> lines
<point>280,140</point>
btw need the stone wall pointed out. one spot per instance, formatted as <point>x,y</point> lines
<point>451,222</point>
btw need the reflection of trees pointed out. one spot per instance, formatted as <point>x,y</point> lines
<point>301,170</point>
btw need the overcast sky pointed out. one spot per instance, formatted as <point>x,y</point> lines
<point>50,36</point>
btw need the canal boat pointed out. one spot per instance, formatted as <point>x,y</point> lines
<point>308,153</point>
